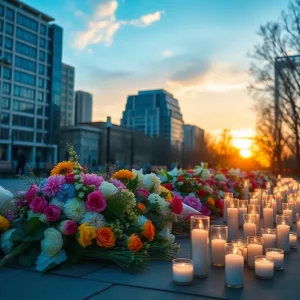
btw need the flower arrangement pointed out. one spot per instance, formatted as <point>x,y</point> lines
<point>73,215</point>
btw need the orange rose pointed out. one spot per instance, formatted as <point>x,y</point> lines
<point>105,237</point>
<point>134,243</point>
<point>141,207</point>
<point>148,230</point>
<point>211,201</point>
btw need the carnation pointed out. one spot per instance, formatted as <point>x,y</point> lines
<point>74,209</point>
<point>53,185</point>
<point>94,219</point>
<point>151,181</point>
<point>92,179</point>
<point>67,191</point>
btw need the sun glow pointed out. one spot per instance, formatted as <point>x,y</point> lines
<point>245,153</point>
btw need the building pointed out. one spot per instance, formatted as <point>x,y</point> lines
<point>155,113</point>
<point>83,107</point>
<point>193,137</point>
<point>31,54</point>
<point>67,100</point>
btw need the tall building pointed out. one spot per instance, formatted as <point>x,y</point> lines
<point>31,54</point>
<point>155,113</point>
<point>67,105</point>
<point>83,107</point>
<point>193,137</point>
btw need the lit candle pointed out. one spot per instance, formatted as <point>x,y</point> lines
<point>288,212</point>
<point>264,267</point>
<point>249,229</point>
<point>283,232</point>
<point>242,211</point>
<point>254,201</point>
<point>269,240</point>
<point>268,186</point>
<point>246,190</point>
<point>182,271</point>
<point>293,240</point>
<point>232,222</point>
<point>268,217</point>
<point>278,257</point>
<point>218,252</point>
<point>253,250</point>
<point>298,229</point>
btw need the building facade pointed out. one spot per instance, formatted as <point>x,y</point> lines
<point>155,113</point>
<point>31,54</point>
<point>193,137</point>
<point>67,100</point>
<point>83,107</point>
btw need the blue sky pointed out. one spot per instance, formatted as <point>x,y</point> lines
<point>196,49</point>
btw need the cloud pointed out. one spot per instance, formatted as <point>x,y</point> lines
<point>90,51</point>
<point>167,53</point>
<point>103,25</point>
<point>147,20</point>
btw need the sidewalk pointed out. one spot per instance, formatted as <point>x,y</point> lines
<point>14,184</point>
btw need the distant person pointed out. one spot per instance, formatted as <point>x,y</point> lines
<point>21,162</point>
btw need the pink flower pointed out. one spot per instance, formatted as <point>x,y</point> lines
<point>118,184</point>
<point>95,202</point>
<point>38,204</point>
<point>169,186</point>
<point>193,202</point>
<point>205,210</point>
<point>92,179</point>
<point>52,213</point>
<point>68,227</point>
<point>142,193</point>
<point>31,194</point>
<point>53,185</point>
<point>70,178</point>
<point>176,205</point>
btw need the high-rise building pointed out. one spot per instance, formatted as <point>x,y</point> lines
<point>155,113</point>
<point>67,100</point>
<point>31,54</point>
<point>193,137</point>
<point>83,107</point>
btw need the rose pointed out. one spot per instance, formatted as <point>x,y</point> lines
<point>140,192</point>
<point>211,201</point>
<point>38,204</point>
<point>4,223</point>
<point>5,196</point>
<point>86,235</point>
<point>107,189</point>
<point>201,193</point>
<point>141,208</point>
<point>68,227</point>
<point>134,243</point>
<point>52,243</point>
<point>31,194</point>
<point>95,202</point>
<point>219,204</point>
<point>52,213</point>
<point>169,186</point>
<point>148,230</point>
<point>105,237</point>
<point>176,205</point>
<point>70,178</point>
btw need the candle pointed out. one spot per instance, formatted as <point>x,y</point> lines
<point>182,271</point>
<point>283,242</point>
<point>264,267</point>
<point>269,240</point>
<point>218,252</point>
<point>293,240</point>
<point>249,230</point>
<point>233,223</point>
<point>288,212</point>
<point>253,250</point>
<point>200,252</point>
<point>268,217</point>
<point>298,230</point>
<point>246,190</point>
<point>268,186</point>
<point>278,257</point>
<point>254,201</point>
<point>227,196</point>
<point>242,211</point>
<point>274,206</point>
<point>234,270</point>
<point>279,203</point>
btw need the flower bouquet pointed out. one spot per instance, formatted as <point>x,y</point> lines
<point>74,215</point>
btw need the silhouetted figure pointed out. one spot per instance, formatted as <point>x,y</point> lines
<point>21,162</point>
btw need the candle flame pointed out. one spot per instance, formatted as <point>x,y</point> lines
<point>182,265</point>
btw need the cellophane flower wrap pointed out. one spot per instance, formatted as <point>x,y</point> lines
<point>73,215</point>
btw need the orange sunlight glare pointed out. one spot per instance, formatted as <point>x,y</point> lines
<point>245,153</point>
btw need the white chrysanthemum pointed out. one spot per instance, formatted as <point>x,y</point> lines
<point>93,219</point>
<point>74,209</point>
<point>55,201</point>
<point>141,220</point>
<point>6,243</point>
<point>220,177</point>
<point>151,181</point>
<point>107,189</point>
<point>205,174</point>
<point>163,204</point>
<point>208,189</point>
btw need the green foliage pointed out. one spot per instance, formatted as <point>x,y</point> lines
<point>114,209</point>
<point>18,235</point>
<point>133,184</point>
<point>29,257</point>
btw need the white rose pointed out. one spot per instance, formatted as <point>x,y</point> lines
<point>6,243</point>
<point>205,174</point>
<point>151,181</point>
<point>52,243</point>
<point>220,177</point>
<point>107,189</point>
<point>5,196</point>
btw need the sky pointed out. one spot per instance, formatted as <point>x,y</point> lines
<point>198,50</point>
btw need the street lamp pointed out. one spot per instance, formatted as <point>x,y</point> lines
<point>108,129</point>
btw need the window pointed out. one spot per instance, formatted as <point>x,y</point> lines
<point>5,103</point>
<point>4,118</point>
<point>22,121</point>
<point>8,43</point>
<point>42,43</point>
<point>25,50</point>
<point>8,57</point>
<point>40,110</point>
<point>42,56</point>
<point>26,36</point>
<point>20,135</point>
<point>25,64</point>
<point>23,107</point>
<point>1,25</point>
<point>4,133</point>
<point>10,14</point>
<point>1,10</point>
<point>43,29</point>
<point>1,40</point>
<point>6,88</point>
<point>41,69</point>
<point>39,123</point>
<point>41,83</point>
<point>24,92</point>
<point>40,96</point>
<point>6,73</point>
<point>27,22</point>
<point>9,28</point>
<point>24,78</point>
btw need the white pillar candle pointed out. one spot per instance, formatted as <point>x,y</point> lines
<point>254,201</point>
<point>274,206</point>
<point>234,270</point>
<point>283,242</point>
<point>218,252</point>
<point>298,230</point>
<point>249,230</point>
<point>233,223</point>
<point>269,240</point>
<point>200,251</point>
<point>268,217</point>
<point>264,268</point>
<point>242,211</point>
<point>279,205</point>
<point>225,211</point>
<point>253,250</point>
<point>293,240</point>
<point>277,257</point>
<point>268,186</point>
<point>288,212</point>
<point>183,273</point>
<point>246,190</point>
<point>298,205</point>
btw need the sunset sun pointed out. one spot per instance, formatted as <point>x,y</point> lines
<point>245,153</point>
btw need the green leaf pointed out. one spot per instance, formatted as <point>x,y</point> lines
<point>18,235</point>
<point>163,194</point>
<point>33,224</point>
<point>29,258</point>
<point>170,177</point>
<point>39,233</point>
<point>133,184</point>
<point>114,209</point>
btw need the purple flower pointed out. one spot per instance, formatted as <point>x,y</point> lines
<point>92,179</point>
<point>53,185</point>
<point>118,184</point>
<point>193,202</point>
<point>205,210</point>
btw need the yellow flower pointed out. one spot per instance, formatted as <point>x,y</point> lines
<point>86,235</point>
<point>63,168</point>
<point>123,174</point>
<point>169,196</point>
<point>4,223</point>
<point>211,201</point>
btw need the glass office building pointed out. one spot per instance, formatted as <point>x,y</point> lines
<point>30,80</point>
<point>83,107</point>
<point>155,113</point>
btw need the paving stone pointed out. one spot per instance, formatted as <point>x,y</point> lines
<point>26,285</point>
